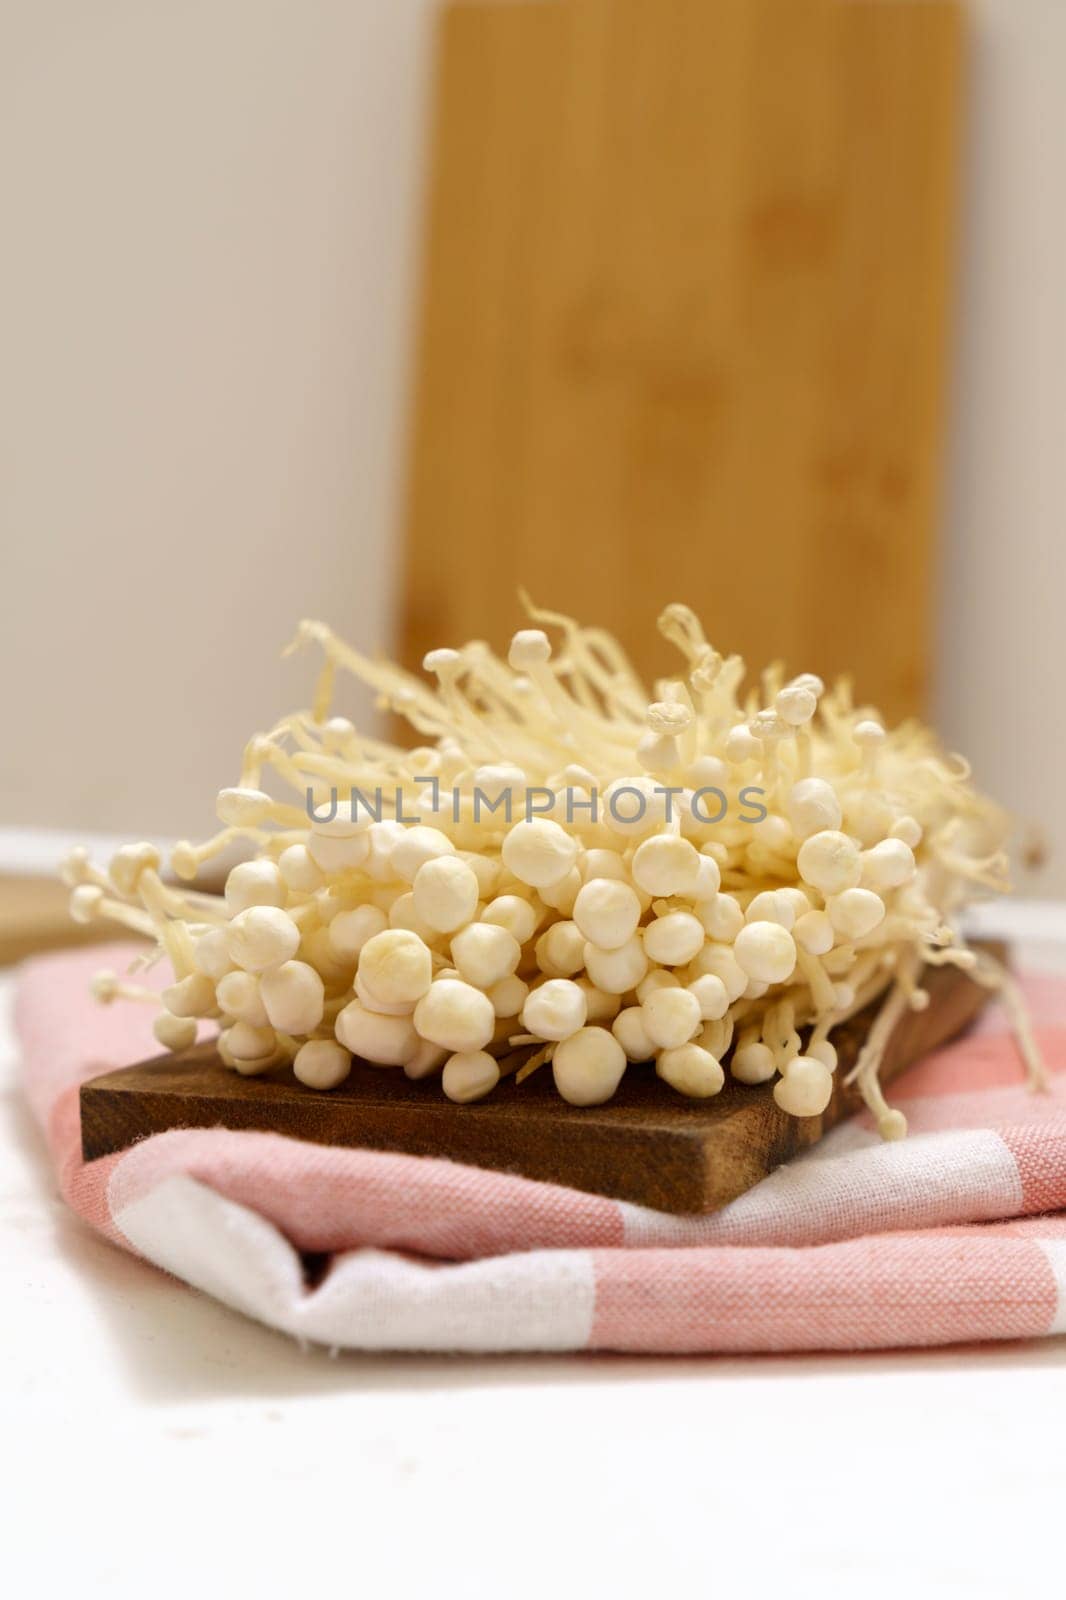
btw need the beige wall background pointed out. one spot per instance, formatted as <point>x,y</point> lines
<point>209,211</point>
<point>210,218</point>
<point>1001,644</point>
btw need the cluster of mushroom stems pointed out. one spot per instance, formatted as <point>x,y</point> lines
<point>703,886</point>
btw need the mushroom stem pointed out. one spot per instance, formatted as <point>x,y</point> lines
<point>993,975</point>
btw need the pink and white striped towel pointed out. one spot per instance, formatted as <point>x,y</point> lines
<point>956,1234</point>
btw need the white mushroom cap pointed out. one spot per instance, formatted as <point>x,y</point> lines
<point>814,933</point>
<point>384,1041</point>
<point>616,971</point>
<point>211,954</point>
<point>607,912</point>
<point>418,845</point>
<point>691,1070</point>
<point>888,865</point>
<point>445,893</point>
<point>395,967</point>
<point>772,905</point>
<point>711,994</point>
<point>753,1063</point>
<point>741,745</point>
<point>555,1009</point>
<point>812,807</point>
<point>530,647</point>
<point>484,953</point>
<point>426,1062</point>
<point>722,917</point>
<point>657,978</point>
<point>238,996</point>
<point>498,779</point>
<point>766,951</point>
<point>855,912</point>
<point>600,863</point>
<point>262,937</point>
<point>825,1052</point>
<point>455,1015</point>
<point>796,704</point>
<point>539,852</point>
<point>243,807</point>
<point>127,864</point>
<point>404,918</point>
<point>806,1088</point>
<point>628,1028</point>
<point>441,660</point>
<point>508,996</point>
<point>254,883</point>
<point>470,1075</point>
<point>707,772</point>
<point>720,960</point>
<point>298,871</point>
<point>907,829</point>
<point>892,1124</point>
<point>251,1045</point>
<point>350,930</point>
<point>633,806</point>
<point>666,865</point>
<point>560,950</point>
<point>193,996</point>
<point>383,837</point>
<point>174,1033</point>
<point>562,896</point>
<point>671,1017</point>
<point>829,861</point>
<point>85,902</point>
<point>708,879</point>
<point>338,846</point>
<point>673,939</point>
<point>322,1064</point>
<point>588,1067</point>
<point>293,996</point>
<point>486,870</point>
<point>510,911</point>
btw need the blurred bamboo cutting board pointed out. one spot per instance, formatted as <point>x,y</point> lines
<point>685,290</point>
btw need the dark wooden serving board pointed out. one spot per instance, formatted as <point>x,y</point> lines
<point>648,1144</point>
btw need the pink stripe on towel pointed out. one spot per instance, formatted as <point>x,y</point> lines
<point>944,1237</point>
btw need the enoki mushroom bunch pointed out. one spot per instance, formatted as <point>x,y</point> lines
<point>565,873</point>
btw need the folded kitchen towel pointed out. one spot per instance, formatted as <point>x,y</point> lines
<point>954,1234</point>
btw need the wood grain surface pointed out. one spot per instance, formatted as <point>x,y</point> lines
<point>647,1145</point>
<point>685,289</point>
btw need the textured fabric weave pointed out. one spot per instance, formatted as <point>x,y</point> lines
<point>952,1235</point>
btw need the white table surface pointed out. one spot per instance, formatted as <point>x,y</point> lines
<point>155,1443</point>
